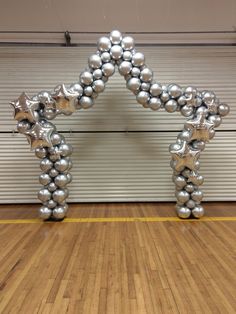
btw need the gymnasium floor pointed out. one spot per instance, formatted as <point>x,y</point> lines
<point>118,258</point>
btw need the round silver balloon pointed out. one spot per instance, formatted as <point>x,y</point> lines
<point>61,165</point>
<point>186,173</point>
<point>104,44</point>
<point>165,96</point>
<point>208,97</point>
<point>133,84</point>
<point>183,212</point>
<point>171,105</point>
<point>98,86</point>
<point>190,204</point>
<point>197,195</point>
<point>44,195</point>
<point>86,102</point>
<point>174,147</point>
<point>97,74</point>
<point>53,172</point>
<point>186,110</point>
<point>86,78</point>
<point>189,188</point>
<point>52,187</point>
<point>182,100</point>
<point>125,67</point>
<point>180,181</point>
<point>156,89</point>
<point>95,61</point>
<point>88,91</point>
<point>155,103</point>
<point>127,55</point>
<point>198,145</point>
<point>45,212</point>
<point>127,43</point>
<point>143,97</point>
<point>215,119</point>
<point>69,178</point>
<point>61,180</point>
<point>46,165</point>
<point>59,195</point>
<point>145,87</point>
<point>23,126</point>
<point>56,138</point>
<point>49,113</point>
<point>138,59</point>
<point>59,212</point>
<point>40,152</point>
<point>51,204</point>
<point>182,196</point>
<point>76,88</point>
<point>198,211</point>
<point>115,37</point>
<point>106,57</point>
<point>174,90</point>
<point>65,150</point>
<point>185,135</point>
<point>135,72</point>
<point>116,52</point>
<point>223,109</point>
<point>44,178</point>
<point>146,75</point>
<point>108,69</point>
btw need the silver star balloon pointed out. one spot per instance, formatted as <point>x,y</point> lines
<point>25,108</point>
<point>185,156</point>
<point>200,127</point>
<point>40,135</point>
<point>65,100</point>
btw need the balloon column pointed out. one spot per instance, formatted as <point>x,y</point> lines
<point>203,110</point>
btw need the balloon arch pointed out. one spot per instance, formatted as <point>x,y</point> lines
<point>203,111</point>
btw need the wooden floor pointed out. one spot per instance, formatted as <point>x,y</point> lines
<point>111,267</point>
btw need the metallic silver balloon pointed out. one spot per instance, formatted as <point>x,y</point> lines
<point>146,75</point>
<point>189,188</point>
<point>180,181</point>
<point>61,165</point>
<point>104,44</point>
<point>25,108</point>
<point>186,110</point>
<point>135,72</point>
<point>44,178</point>
<point>197,195</point>
<point>195,178</point>
<point>65,150</point>
<point>86,102</point>
<point>198,211</point>
<point>61,180</point>
<point>76,88</point>
<point>182,196</point>
<point>45,212</point>
<point>44,195</point>
<point>23,126</point>
<point>155,103</point>
<point>59,195</point>
<point>199,145</point>
<point>54,154</point>
<point>138,59</point>
<point>143,97</point>
<point>127,55</point>
<point>88,91</point>
<point>185,135</point>
<point>156,89</point>
<point>52,187</point>
<point>98,86</point>
<point>223,109</point>
<point>115,37</point>
<point>215,119</point>
<point>116,52</point>
<point>106,57</point>
<point>58,212</point>
<point>51,204</point>
<point>165,96</point>
<point>182,100</point>
<point>208,97</point>
<point>190,204</point>
<point>171,105</point>
<point>127,43</point>
<point>40,152</point>
<point>49,113</point>
<point>69,178</point>
<point>108,69</point>
<point>183,212</point>
<point>125,67</point>
<point>53,172</point>
<point>134,84</point>
<point>56,138</point>
<point>40,135</point>
<point>95,61</point>
<point>97,74</point>
<point>46,165</point>
<point>174,91</point>
<point>145,87</point>
<point>86,78</point>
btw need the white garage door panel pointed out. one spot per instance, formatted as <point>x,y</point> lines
<point>32,69</point>
<point>118,167</point>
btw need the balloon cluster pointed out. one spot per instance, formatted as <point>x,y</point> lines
<point>203,109</point>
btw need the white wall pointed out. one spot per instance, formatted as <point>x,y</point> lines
<point>128,16</point>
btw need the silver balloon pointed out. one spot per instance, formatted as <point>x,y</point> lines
<point>195,178</point>
<point>143,97</point>
<point>183,212</point>
<point>59,195</point>
<point>97,74</point>
<point>46,165</point>
<point>52,187</point>
<point>44,195</point>
<point>98,86</point>
<point>23,126</point>
<point>215,119</point>
<point>86,78</point>
<point>208,97</point>
<point>61,165</point>
<point>138,59</point>
<point>156,89</point>
<point>182,101</point>
<point>115,37</point>
<point>53,172</point>
<point>174,90</point>
<point>190,204</point>
<point>171,105</point>
<point>165,96</point>
<point>197,195</point>
<point>182,196</point>
<point>155,103</point>
<point>135,72</point>
<point>95,62</point>
<point>61,180</point>
<point>104,44</point>
<point>41,152</point>
<point>88,91</point>
<point>65,150</point>
<point>59,212</point>
<point>185,135</point>
<point>180,181</point>
<point>56,138</point>
<point>134,84</point>
<point>108,69</point>
<point>76,88</point>
<point>189,188</point>
<point>127,43</point>
<point>54,154</point>
<point>69,178</point>
<point>186,110</point>
<point>51,204</point>
<point>44,178</point>
<point>125,67</point>
<point>86,102</point>
<point>146,75</point>
<point>70,165</point>
<point>127,55</point>
<point>45,212</point>
<point>106,57</point>
<point>40,135</point>
<point>198,211</point>
<point>116,52</point>
<point>49,113</point>
<point>145,87</point>
<point>223,109</point>
<point>25,108</point>
<point>199,145</point>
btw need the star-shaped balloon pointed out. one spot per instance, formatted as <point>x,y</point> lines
<point>185,156</point>
<point>200,127</point>
<point>40,135</point>
<point>65,100</point>
<point>25,108</point>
